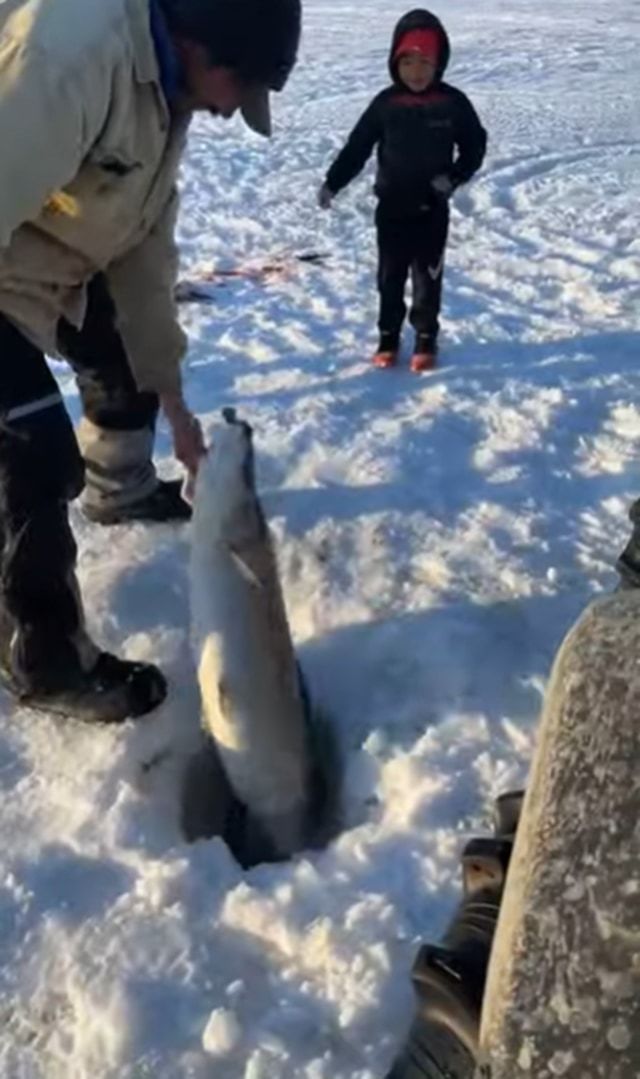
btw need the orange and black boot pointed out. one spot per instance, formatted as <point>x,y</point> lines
<point>424,354</point>
<point>387,351</point>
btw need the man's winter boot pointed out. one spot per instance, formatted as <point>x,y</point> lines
<point>387,351</point>
<point>111,690</point>
<point>121,482</point>
<point>57,668</point>
<point>164,504</point>
<point>425,354</point>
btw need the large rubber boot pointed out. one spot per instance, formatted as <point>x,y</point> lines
<point>449,978</point>
<point>563,989</point>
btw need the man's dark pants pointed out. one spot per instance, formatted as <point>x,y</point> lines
<point>42,469</point>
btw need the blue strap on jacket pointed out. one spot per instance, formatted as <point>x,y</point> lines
<point>171,76</point>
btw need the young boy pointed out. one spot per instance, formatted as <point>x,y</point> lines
<point>429,141</point>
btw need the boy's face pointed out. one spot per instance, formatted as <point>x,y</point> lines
<point>416,71</point>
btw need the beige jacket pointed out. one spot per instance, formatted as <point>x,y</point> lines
<point>88,162</point>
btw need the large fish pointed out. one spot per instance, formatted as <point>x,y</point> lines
<point>255,707</point>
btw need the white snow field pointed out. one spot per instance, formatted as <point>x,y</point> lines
<point>437,535</point>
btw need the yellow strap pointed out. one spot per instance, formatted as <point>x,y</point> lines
<point>62,203</point>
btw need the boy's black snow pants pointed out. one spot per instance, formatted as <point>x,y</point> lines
<point>42,469</point>
<point>411,242</point>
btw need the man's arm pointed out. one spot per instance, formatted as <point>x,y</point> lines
<point>46,128</point>
<point>142,286</point>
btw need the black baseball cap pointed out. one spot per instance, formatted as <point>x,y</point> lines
<point>258,39</point>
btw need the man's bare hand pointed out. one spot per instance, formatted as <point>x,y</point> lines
<point>188,441</point>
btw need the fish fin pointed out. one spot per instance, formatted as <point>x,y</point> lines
<point>244,569</point>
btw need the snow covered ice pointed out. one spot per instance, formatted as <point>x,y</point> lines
<point>437,536</point>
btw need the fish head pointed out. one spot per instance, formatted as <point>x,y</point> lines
<point>225,496</point>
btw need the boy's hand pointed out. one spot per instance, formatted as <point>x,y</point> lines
<point>443,185</point>
<point>325,197</point>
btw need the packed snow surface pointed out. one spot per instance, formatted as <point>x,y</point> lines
<point>437,535</point>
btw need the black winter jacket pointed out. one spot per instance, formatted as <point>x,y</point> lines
<point>419,136</point>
